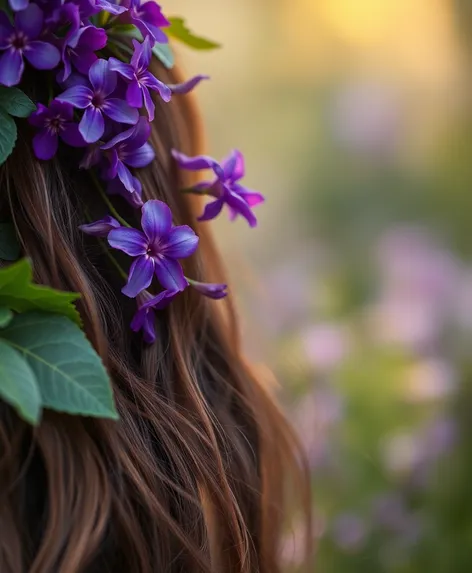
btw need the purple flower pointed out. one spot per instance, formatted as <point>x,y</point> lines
<point>141,80</point>
<point>100,228</point>
<point>157,249</point>
<point>21,40</point>
<point>111,7</point>
<point>79,50</point>
<point>188,86</point>
<point>148,18</point>
<point>145,318</point>
<point>17,5</point>
<point>129,148</point>
<point>211,290</point>
<point>95,101</point>
<point>134,197</point>
<point>54,121</point>
<point>225,188</point>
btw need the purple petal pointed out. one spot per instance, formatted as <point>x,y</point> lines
<point>252,198</point>
<point>38,117</point>
<point>187,86</point>
<point>149,104</point>
<point>90,37</point>
<point>116,187</point>
<point>170,274</point>
<point>141,157</point>
<point>119,111</point>
<point>142,54</point>
<point>134,94</point>
<point>156,220</point>
<point>45,145</point>
<point>154,84</point>
<point>197,163</point>
<point>239,205</point>
<point>125,177</point>
<point>65,110</point>
<point>11,68</point>
<point>100,228</point>
<point>144,319</point>
<point>30,21</point>
<point>72,136</point>
<point>102,78</point>
<point>125,70</point>
<point>83,61</point>
<point>92,124</point>
<point>211,290</point>
<point>78,96</point>
<point>181,243</point>
<point>212,210</point>
<point>233,165</point>
<point>42,56</point>
<point>139,135</point>
<point>17,5</point>
<point>130,241</point>
<point>110,7</point>
<point>140,275</point>
<point>6,30</point>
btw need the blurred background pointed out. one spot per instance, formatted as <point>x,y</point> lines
<point>355,117</point>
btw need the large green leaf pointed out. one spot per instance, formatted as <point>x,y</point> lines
<point>15,102</point>
<point>164,53</point>
<point>18,385</point>
<point>19,293</point>
<point>179,31</point>
<point>70,374</point>
<point>6,316</point>
<point>9,246</point>
<point>7,135</point>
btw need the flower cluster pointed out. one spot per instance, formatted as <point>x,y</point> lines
<point>100,88</point>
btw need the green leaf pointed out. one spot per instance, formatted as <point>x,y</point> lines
<point>179,31</point>
<point>71,377</point>
<point>6,316</point>
<point>15,102</point>
<point>18,385</point>
<point>7,136</point>
<point>128,30</point>
<point>164,53</point>
<point>19,293</point>
<point>9,246</point>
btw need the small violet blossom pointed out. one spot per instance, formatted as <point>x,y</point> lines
<point>211,290</point>
<point>129,148</point>
<point>20,41</point>
<point>134,197</point>
<point>79,50</point>
<point>145,318</point>
<point>148,18</point>
<point>226,188</point>
<point>17,5</point>
<point>157,249</point>
<point>140,78</point>
<point>96,102</point>
<point>54,121</point>
<point>100,228</point>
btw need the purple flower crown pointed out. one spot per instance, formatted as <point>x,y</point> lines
<point>105,107</point>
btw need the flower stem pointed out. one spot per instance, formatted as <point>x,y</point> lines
<point>115,263</point>
<point>194,191</point>
<point>107,201</point>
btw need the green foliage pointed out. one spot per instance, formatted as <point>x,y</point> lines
<point>164,53</point>
<point>178,30</point>
<point>6,316</point>
<point>68,372</point>
<point>13,102</point>
<point>19,293</point>
<point>9,246</point>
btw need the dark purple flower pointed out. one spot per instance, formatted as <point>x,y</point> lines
<point>129,148</point>
<point>145,318</point>
<point>211,290</point>
<point>225,188</point>
<point>157,249</point>
<point>96,102</point>
<point>147,17</point>
<point>140,78</point>
<point>79,50</point>
<point>20,41</point>
<point>17,5</point>
<point>100,228</point>
<point>54,121</point>
<point>134,197</point>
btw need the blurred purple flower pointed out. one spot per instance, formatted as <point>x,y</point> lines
<point>432,379</point>
<point>129,149</point>
<point>145,318</point>
<point>79,50</point>
<point>20,41</point>
<point>96,102</point>
<point>147,17</point>
<point>326,346</point>
<point>349,532</point>
<point>17,5</point>
<point>157,249</point>
<point>53,122</point>
<point>225,188</point>
<point>100,228</point>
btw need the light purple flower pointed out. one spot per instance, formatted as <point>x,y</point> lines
<point>145,318</point>
<point>17,5</point>
<point>157,249</point>
<point>111,7</point>
<point>79,50</point>
<point>100,228</point>
<point>96,102</point>
<point>20,41</point>
<point>225,188</point>
<point>349,532</point>
<point>140,78</point>
<point>211,290</point>
<point>54,121</point>
<point>148,18</point>
<point>129,148</point>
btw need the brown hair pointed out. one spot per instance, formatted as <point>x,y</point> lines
<point>193,476</point>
